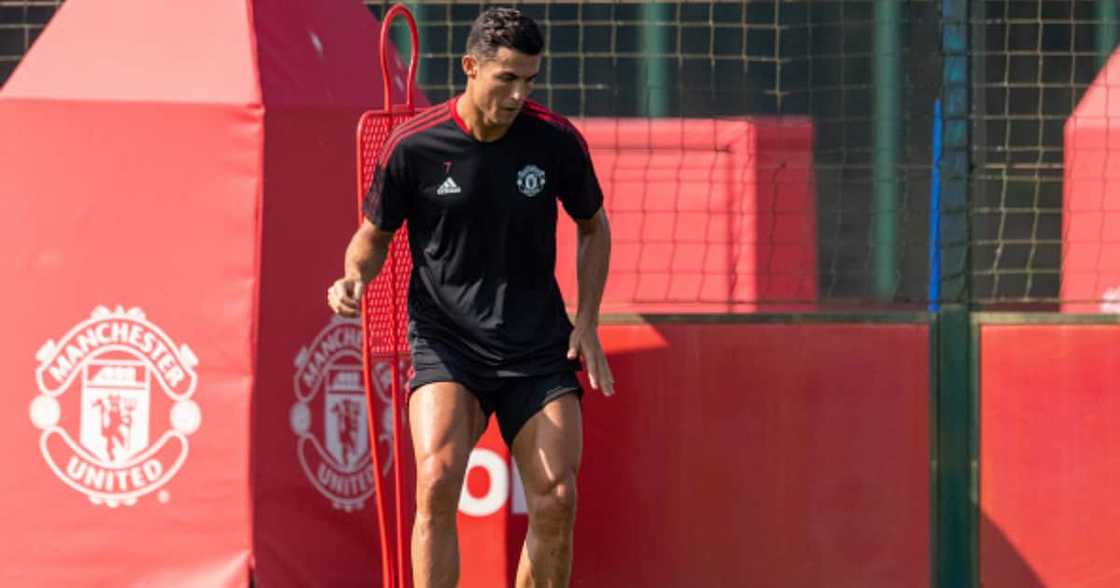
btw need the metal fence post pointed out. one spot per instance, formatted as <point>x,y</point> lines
<point>956,474</point>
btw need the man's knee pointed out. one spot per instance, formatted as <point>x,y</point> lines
<point>438,484</point>
<point>554,506</point>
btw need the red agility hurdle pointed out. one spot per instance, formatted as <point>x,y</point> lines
<point>384,316</point>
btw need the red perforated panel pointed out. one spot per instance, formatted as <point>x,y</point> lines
<point>385,303</point>
<point>384,320</point>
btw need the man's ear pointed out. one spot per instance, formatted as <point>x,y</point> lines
<point>470,65</point>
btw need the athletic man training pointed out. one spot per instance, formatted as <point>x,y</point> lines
<point>478,179</point>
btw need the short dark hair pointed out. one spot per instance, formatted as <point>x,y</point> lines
<point>503,27</point>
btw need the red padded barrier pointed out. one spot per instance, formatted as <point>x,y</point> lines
<point>492,515</point>
<point>1091,198</point>
<point>744,455</point>
<point>707,215</point>
<point>314,517</point>
<point>178,184</point>
<point>1049,455</point>
<point>105,215</point>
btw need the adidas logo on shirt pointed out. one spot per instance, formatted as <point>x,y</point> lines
<point>448,187</point>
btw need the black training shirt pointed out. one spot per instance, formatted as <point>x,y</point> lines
<point>482,231</point>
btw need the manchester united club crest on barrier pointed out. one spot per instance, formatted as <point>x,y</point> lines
<point>115,406</point>
<point>329,416</point>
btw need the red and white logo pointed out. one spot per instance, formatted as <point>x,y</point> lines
<point>329,417</point>
<point>117,440</point>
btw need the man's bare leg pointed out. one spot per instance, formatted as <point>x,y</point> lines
<point>548,451</point>
<point>446,422</point>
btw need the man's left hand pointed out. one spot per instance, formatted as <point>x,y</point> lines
<point>585,341</point>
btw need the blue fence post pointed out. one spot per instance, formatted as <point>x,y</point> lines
<point>934,297</point>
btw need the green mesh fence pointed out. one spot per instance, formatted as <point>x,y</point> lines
<point>1032,63</point>
<point>20,23</point>
<point>868,91</point>
<point>753,59</point>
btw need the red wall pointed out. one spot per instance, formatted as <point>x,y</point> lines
<point>707,215</point>
<point>747,454</point>
<point>1049,455</point>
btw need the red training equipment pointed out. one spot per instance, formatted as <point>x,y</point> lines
<point>384,305</point>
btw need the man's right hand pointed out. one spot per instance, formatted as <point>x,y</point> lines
<point>345,296</point>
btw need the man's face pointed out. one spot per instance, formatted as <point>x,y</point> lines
<point>500,85</point>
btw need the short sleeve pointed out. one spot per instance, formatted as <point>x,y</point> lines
<point>580,192</point>
<point>386,203</point>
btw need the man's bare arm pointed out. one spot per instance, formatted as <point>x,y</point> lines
<point>592,265</point>
<point>365,255</point>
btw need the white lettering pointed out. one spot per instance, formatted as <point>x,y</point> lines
<point>94,478</point>
<point>160,350</point>
<point>109,480</point>
<point>135,475</point>
<point>318,359</point>
<point>134,335</point>
<point>332,342</point>
<point>118,331</point>
<point>60,369</point>
<point>152,470</point>
<point>353,337</point>
<point>345,484</point>
<point>498,492</point>
<point>75,468</point>
<point>87,341</point>
<point>73,354</point>
<point>122,478</point>
<point>148,342</point>
<point>340,338</point>
<point>101,336</point>
<point>175,376</point>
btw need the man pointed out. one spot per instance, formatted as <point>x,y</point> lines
<point>478,179</point>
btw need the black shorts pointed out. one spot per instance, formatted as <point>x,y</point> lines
<point>514,399</point>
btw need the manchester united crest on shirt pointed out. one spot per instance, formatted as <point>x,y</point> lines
<point>329,416</point>
<point>115,406</point>
<point>530,180</point>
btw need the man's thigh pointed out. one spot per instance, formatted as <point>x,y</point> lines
<point>548,449</point>
<point>446,421</point>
